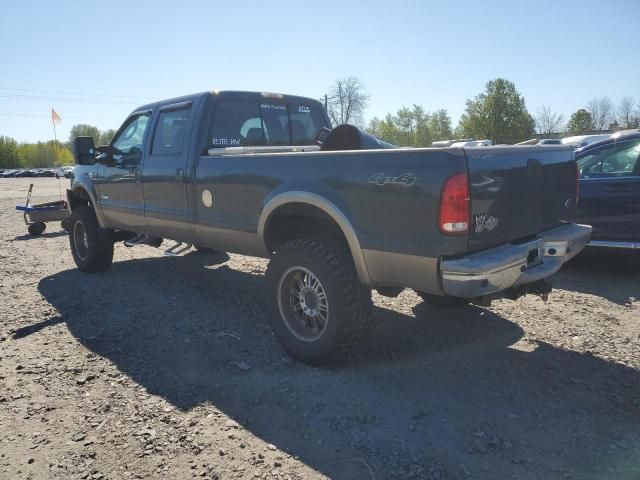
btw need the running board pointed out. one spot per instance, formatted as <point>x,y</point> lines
<point>177,249</point>
<point>142,239</point>
<point>137,240</point>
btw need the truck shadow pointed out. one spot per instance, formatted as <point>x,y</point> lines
<point>431,395</point>
<point>610,274</point>
<point>26,236</point>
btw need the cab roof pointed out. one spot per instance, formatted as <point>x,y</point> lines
<point>230,94</point>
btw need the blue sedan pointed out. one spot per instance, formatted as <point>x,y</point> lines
<point>609,198</point>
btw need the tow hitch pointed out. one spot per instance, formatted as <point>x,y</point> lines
<point>542,288</point>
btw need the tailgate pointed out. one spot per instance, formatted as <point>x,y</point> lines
<point>519,191</point>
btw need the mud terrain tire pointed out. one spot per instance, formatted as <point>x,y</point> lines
<point>319,278</point>
<point>91,246</point>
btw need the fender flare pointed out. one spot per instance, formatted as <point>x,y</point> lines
<point>91,193</point>
<point>330,209</point>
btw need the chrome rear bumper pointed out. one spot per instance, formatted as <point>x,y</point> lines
<point>506,266</point>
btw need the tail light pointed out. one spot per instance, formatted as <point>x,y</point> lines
<point>455,211</point>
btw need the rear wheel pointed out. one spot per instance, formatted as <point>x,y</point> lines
<point>442,301</point>
<point>91,246</point>
<point>36,229</point>
<point>319,309</point>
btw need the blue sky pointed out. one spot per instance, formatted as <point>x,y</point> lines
<point>112,56</point>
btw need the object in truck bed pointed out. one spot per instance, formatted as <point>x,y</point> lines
<point>37,216</point>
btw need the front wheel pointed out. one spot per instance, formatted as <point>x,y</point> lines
<point>319,309</point>
<point>91,246</point>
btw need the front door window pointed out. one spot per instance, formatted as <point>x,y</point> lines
<point>128,143</point>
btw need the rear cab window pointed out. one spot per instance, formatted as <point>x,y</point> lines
<point>238,123</point>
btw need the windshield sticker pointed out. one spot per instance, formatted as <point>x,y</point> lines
<point>271,106</point>
<point>225,142</point>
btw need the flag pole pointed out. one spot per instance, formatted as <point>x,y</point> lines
<point>55,149</point>
<point>55,137</point>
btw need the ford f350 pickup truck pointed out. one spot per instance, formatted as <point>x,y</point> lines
<point>338,212</point>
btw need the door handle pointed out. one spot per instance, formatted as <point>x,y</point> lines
<point>179,176</point>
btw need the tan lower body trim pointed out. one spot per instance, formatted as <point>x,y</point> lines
<point>400,270</point>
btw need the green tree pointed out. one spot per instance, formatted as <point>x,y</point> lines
<point>406,126</point>
<point>581,122</point>
<point>9,154</point>
<point>84,130</point>
<point>44,154</point>
<point>440,125</point>
<point>385,129</point>
<point>106,136</point>
<point>498,114</point>
<point>412,127</point>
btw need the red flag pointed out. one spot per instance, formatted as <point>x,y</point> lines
<point>55,118</point>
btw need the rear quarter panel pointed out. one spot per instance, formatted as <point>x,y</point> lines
<point>390,197</point>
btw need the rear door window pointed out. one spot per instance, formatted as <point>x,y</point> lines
<point>170,131</point>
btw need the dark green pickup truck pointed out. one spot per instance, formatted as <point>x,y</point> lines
<point>338,212</point>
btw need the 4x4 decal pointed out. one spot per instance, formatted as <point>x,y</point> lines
<point>406,179</point>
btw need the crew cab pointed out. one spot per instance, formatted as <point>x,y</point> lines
<point>338,212</point>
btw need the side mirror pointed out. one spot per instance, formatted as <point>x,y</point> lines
<point>104,155</point>
<point>84,151</point>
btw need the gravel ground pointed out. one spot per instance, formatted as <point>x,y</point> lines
<point>165,368</point>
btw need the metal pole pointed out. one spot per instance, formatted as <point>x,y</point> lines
<point>55,149</point>
<point>55,138</point>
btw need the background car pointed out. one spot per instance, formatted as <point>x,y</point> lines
<point>580,141</point>
<point>609,198</point>
<point>472,143</point>
<point>65,171</point>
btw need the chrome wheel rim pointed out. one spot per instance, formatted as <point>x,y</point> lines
<point>80,240</point>
<point>303,303</point>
